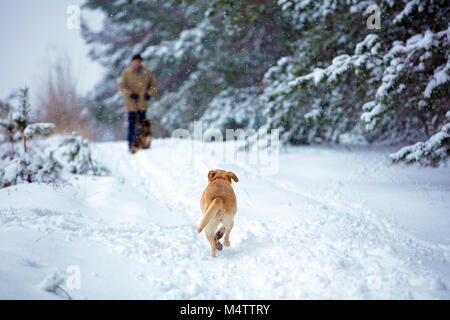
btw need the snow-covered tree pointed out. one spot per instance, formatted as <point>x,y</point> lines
<point>392,81</point>
<point>29,165</point>
<point>75,153</point>
<point>195,48</point>
<point>235,109</point>
<point>7,123</point>
<point>318,68</point>
<point>17,122</point>
<point>431,152</point>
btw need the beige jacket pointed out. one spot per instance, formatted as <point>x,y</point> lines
<point>132,82</point>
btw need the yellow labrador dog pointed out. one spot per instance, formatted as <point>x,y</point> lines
<point>218,204</point>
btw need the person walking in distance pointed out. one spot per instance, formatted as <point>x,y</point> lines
<point>138,85</point>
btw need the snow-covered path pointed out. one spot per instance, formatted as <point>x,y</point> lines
<point>332,223</point>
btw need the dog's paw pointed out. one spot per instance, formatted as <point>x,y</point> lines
<point>226,243</point>
<point>133,149</point>
<point>219,246</point>
<point>220,233</point>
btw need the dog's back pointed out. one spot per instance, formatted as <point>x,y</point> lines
<point>223,191</point>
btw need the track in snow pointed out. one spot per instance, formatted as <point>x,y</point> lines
<point>287,243</point>
<point>330,224</point>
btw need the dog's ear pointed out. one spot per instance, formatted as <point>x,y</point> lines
<point>211,174</point>
<point>231,175</point>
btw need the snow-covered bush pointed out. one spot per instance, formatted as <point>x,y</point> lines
<point>6,123</point>
<point>75,153</point>
<point>17,122</point>
<point>41,129</point>
<point>9,133</point>
<point>39,162</point>
<point>28,167</point>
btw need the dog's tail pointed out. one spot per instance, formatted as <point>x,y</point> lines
<point>215,205</point>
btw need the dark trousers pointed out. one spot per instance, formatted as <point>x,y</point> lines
<point>132,124</point>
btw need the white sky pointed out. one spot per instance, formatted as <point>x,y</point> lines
<point>33,30</point>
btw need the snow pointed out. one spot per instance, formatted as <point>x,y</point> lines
<point>333,223</point>
<point>188,43</point>
<point>409,7</point>
<point>241,106</point>
<point>339,65</point>
<point>32,166</point>
<point>369,42</point>
<point>439,77</point>
<point>416,43</point>
<point>372,109</point>
<point>38,128</point>
<point>342,63</point>
<point>433,150</point>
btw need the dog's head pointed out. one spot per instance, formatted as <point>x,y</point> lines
<point>222,174</point>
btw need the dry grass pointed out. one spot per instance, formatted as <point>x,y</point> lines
<point>58,100</point>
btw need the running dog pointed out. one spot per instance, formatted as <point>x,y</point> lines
<point>218,204</point>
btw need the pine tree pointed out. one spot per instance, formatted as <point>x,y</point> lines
<point>27,166</point>
<point>311,68</point>
<point>22,116</point>
<point>388,84</point>
<point>22,120</point>
<point>197,49</point>
<point>6,122</point>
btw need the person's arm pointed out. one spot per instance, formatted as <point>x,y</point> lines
<point>123,85</point>
<point>152,87</point>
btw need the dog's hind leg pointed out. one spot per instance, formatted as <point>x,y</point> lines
<point>228,227</point>
<point>209,231</point>
<point>218,236</point>
<point>219,246</point>
<point>212,244</point>
<point>220,233</point>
